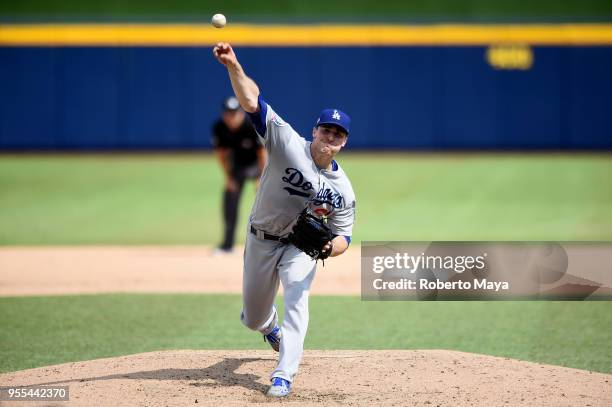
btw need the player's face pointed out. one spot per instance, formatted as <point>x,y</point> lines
<point>328,139</point>
<point>233,118</point>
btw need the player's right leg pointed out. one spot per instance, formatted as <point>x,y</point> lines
<point>260,283</point>
<point>296,271</point>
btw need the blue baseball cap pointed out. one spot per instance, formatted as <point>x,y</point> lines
<point>335,117</point>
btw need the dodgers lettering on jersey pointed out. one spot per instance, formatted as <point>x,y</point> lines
<point>291,181</point>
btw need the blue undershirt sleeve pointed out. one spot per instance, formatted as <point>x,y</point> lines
<point>347,238</point>
<point>259,118</point>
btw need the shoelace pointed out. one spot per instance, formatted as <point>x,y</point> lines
<point>272,337</point>
<point>279,381</point>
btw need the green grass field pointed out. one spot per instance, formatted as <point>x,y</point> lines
<point>40,331</point>
<point>176,199</point>
<point>317,9</point>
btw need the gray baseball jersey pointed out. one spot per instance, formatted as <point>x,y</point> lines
<point>290,182</point>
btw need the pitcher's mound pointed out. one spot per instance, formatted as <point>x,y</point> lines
<point>419,378</point>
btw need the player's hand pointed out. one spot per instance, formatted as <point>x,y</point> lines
<point>231,185</point>
<point>224,53</point>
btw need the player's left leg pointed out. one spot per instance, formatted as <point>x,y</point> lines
<point>296,271</point>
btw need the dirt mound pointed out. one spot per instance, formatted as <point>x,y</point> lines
<point>420,378</point>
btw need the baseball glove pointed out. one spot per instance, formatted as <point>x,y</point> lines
<point>309,234</point>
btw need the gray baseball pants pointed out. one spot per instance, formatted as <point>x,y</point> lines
<point>266,263</point>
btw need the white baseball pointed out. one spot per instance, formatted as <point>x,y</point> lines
<point>218,20</point>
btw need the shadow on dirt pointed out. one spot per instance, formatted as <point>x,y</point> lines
<point>218,375</point>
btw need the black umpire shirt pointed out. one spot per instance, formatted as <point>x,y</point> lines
<point>243,143</point>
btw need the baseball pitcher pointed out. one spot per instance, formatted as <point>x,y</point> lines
<point>303,212</point>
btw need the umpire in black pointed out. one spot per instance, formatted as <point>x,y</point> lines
<point>241,155</point>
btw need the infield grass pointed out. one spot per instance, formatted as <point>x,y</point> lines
<point>40,331</point>
<point>176,199</point>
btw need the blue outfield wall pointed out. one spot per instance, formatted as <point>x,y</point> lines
<point>398,97</point>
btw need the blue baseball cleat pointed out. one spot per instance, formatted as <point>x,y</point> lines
<point>279,388</point>
<point>274,338</point>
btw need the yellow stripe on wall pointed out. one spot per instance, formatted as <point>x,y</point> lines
<point>301,35</point>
